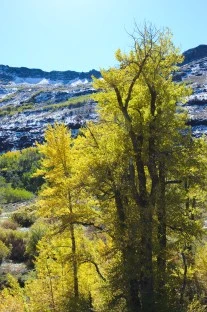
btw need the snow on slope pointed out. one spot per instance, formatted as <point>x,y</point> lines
<point>44,81</point>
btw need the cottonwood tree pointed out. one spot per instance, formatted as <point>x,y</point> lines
<point>140,98</point>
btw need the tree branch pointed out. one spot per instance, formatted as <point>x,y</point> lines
<point>96,267</point>
<point>173,181</point>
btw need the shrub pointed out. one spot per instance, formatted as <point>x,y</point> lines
<point>16,242</point>
<point>11,195</point>
<point>4,251</point>
<point>9,224</point>
<point>37,231</point>
<point>24,216</point>
<point>2,234</point>
<point>195,306</point>
<point>17,168</point>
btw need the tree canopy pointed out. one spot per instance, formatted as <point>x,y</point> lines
<point>124,200</point>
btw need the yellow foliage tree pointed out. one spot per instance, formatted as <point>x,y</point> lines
<point>65,204</point>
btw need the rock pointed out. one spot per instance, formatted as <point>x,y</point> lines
<point>30,99</point>
<point>24,74</point>
<point>195,54</point>
<point>194,72</point>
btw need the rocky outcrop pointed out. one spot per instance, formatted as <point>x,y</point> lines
<point>24,74</point>
<point>195,54</point>
<point>24,129</point>
<point>194,73</point>
<point>26,108</point>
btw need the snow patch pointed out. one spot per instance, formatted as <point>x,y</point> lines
<point>44,82</point>
<point>78,82</point>
<point>37,81</point>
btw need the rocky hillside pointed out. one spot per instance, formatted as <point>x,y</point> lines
<point>194,72</point>
<point>195,54</point>
<point>34,76</point>
<point>30,99</point>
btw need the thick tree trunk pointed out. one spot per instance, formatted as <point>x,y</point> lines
<point>133,302</point>
<point>146,280</point>
<point>129,258</point>
<point>161,234</point>
<point>144,209</point>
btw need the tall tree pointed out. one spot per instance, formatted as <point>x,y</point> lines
<point>140,97</point>
<point>65,205</point>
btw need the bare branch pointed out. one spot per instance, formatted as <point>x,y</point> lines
<point>173,181</point>
<point>65,226</point>
<point>93,136</point>
<point>96,267</point>
<point>136,77</point>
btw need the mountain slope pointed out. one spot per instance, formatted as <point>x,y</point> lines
<point>194,72</point>
<point>30,99</point>
<point>195,54</point>
<point>27,75</point>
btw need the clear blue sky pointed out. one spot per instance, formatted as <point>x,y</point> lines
<point>84,34</point>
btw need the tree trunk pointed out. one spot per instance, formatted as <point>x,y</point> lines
<point>146,280</point>
<point>133,302</point>
<point>144,209</point>
<point>129,257</point>
<point>74,262</point>
<point>182,291</point>
<point>161,235</point>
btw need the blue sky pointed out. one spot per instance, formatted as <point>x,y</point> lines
<point>84,34</point>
